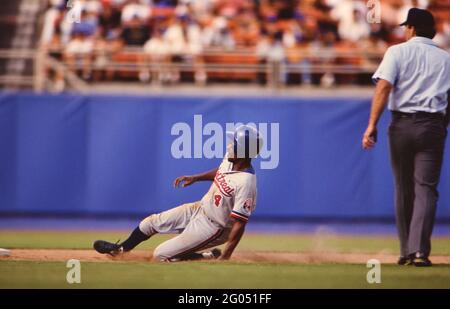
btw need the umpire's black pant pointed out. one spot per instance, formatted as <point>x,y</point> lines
<point>417,147</point>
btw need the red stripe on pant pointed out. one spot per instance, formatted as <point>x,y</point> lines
<point>198,247</point>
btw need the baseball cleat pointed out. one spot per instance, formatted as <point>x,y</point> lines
<point>212,255</point>
<point>105,247</point>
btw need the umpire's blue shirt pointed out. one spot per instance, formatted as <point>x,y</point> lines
<point>419,72</point>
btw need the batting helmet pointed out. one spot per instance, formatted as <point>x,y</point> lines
<point>247,141</point>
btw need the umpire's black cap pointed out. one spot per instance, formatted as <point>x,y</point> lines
<point>419,18</point>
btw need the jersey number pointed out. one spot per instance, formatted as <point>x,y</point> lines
<point>217,199</point>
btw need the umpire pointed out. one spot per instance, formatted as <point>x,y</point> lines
<point>414,77</point>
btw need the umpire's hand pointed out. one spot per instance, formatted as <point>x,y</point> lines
<point>369,138</point>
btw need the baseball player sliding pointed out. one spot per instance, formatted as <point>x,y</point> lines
<point>220,217</point>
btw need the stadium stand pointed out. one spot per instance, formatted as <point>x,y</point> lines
<point>273,42</point>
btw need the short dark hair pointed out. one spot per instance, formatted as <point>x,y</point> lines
<point>428,32</point>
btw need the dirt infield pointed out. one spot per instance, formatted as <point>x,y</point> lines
<point>44,255</point>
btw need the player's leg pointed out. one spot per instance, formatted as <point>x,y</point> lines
<point>203,253</point>
<point>171,221</point>
<point>200,234</point>
<point>210,254</point>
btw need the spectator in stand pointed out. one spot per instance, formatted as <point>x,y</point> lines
<point>246,27</point>
<point>327,57</point>
<point>218,34</point>
<point>292,34</point>
<point>110,19</point>
<point>229,8</point>
<point>135,9</point>
<point>310,28</point>
<point>51,21</point>
<point>157,55</point>
<point>271,51</point>
<point>374,44</point>
<point>356,29</point>
<point>109,42</point>
<point>91,6</point>
<point>443,34</point>
<point>225,25</point>
<point>262,50</point>
<point>166,3</point>
<point>183,39</point>
<point>50,42</point>
<point>199,8</point>
<point>79,51</point>
<point>325,21</point>
<point>285,9</point>
<point>135,32</point>
<point>293,40</point>
<point>351,17</point>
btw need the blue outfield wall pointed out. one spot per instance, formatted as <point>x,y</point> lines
<point>112,155</point>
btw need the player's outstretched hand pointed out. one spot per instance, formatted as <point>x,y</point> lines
<point>184,181</point>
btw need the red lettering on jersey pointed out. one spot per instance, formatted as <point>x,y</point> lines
<point>217,199</point>
<point>221,182</point>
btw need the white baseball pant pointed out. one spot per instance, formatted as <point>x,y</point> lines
<point>197,231</point>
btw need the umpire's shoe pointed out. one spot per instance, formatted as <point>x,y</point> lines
<point>404,260</point>
<point>420,260</point>
<point>105,247</point>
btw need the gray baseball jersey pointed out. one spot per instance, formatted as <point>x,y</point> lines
<point>233,194</point>
<point>206,223</point>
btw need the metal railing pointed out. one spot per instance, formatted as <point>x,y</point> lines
<point>15,54</point>
<point>305,61</point>
<point>300,61</point>
<point>41,63</point>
